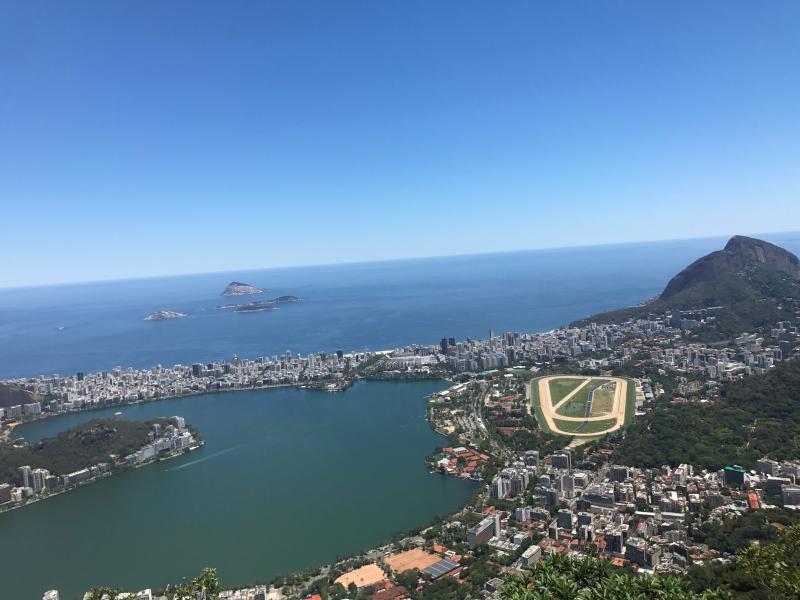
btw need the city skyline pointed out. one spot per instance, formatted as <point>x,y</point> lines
<point>139,142</point>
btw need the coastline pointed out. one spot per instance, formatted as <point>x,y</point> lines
<point>474,404</point>
<point>324,385</point>
<point>478,486</point>
<point>369,392</point>
<point>105,475</point>
<point>7,430</point>
<point>44,416</point>
<point>201,442</point>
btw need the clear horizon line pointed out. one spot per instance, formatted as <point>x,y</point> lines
<point>384,260</point>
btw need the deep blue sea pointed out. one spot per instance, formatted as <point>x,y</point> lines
<point>94,326</point>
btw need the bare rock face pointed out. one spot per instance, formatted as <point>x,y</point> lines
<point>739,253</point>
<point>237,288</point>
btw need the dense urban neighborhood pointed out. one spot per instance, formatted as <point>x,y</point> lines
<point>683,507</point>
<point>567,498</point>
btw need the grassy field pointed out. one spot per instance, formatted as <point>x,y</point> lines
<point>576,407</point>
<point>561,387</point>
<point>585,426</point>
<point>602,401</point>
<point>630,406</point>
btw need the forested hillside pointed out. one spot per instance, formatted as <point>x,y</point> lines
<point>755,298</point>
<point>76,448</point>
<point>759,416</point>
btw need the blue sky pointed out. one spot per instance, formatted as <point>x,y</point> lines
<point>149,138</point>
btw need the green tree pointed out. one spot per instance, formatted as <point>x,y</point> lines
<point>203,587</point>
<point>562,578</point>
<point>774,568</point>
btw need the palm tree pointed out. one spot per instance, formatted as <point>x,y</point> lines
<point>206,585</point>
<point>563,587</point>
<point>585,572</point>
<point>562,578</point>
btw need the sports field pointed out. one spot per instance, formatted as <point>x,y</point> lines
<point>603,399</point>
<point>593,427</point>
<point>416,558</point>
<point>576,406</point>
<point>559,388</point>
<point>580,406</point>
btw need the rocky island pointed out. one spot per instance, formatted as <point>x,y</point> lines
<point>252,307</point>
<point>258,305</point>
<point>163,315</point>
<point>237,288</point>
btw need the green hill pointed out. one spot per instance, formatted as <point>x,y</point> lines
<point>743,292</point>
<point>757,417</point>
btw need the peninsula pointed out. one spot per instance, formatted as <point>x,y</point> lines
<point>33,471</point>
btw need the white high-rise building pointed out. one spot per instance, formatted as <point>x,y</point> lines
<point>25,476</point>
<point>499,487</point>
<point>38,477</point>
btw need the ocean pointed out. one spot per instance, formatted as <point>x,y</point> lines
<point>95,326</point>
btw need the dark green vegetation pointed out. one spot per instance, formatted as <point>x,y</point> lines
<point>561,578</point>
<point>11,396</point>
<point>74,449</point>
<point>519,431</point>
<point>759,572</point>
<point>755,298</point>
<point>752,526</point>
<point>756,417</point>
<point>744,292</point>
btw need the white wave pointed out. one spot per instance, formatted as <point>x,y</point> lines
<point>205,458</point>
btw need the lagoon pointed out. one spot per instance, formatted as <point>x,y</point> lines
<point>287,479</point>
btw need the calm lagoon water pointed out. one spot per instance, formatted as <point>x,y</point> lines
<point>287,479</point>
